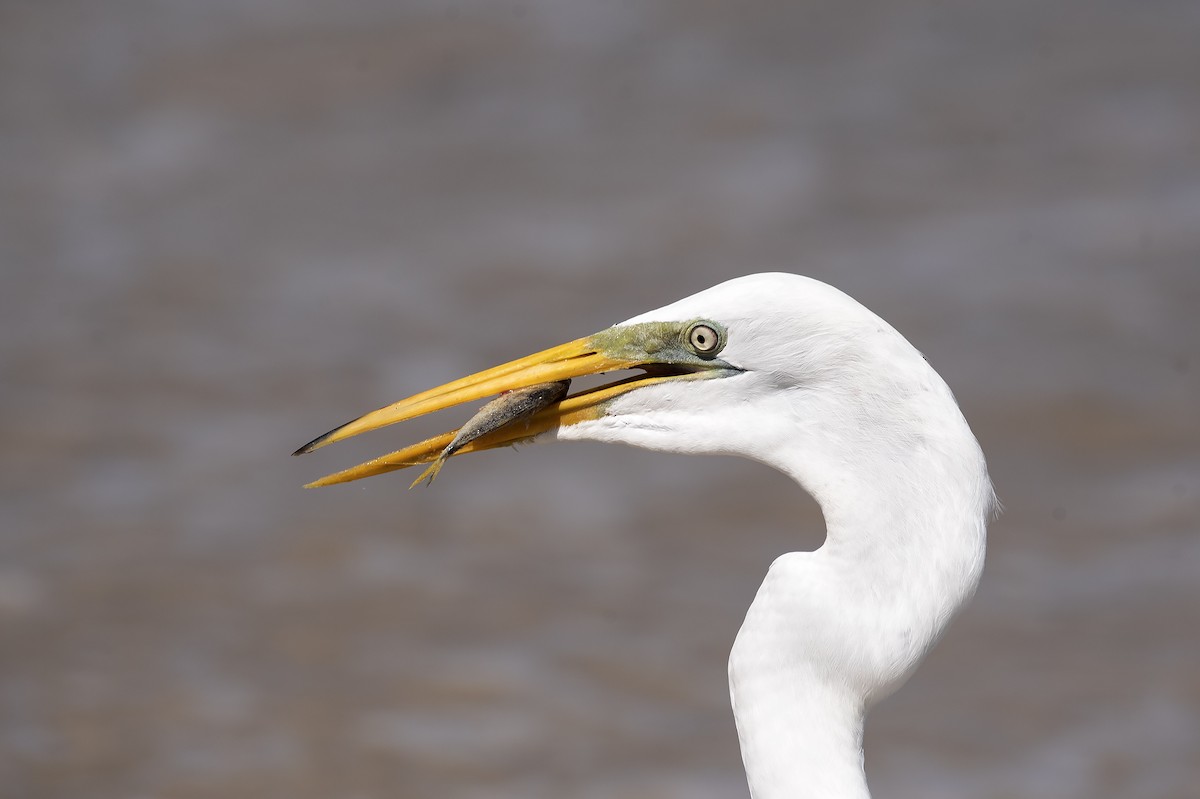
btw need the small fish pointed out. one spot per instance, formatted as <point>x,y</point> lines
<point>508,408</point>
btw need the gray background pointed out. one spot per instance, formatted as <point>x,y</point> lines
<point>228,226</point>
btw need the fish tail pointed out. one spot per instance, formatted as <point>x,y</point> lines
<point>431,471</point>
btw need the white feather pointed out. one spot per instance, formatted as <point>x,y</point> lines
<point>834,397</point>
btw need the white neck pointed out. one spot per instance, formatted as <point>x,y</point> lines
<point>831,632</point>
<point>800,736</point>
<point>833,396</point>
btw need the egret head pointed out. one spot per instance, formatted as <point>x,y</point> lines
<point>742,368</point>
<point>795,353</point>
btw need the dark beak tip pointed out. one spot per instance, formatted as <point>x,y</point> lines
<point>310,446</point>
<point>320,440</point>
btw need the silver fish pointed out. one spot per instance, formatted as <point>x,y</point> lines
<point>508,408</point>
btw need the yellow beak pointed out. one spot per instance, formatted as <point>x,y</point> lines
<point>574,359</point>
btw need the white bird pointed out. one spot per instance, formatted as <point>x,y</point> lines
<point>791,372</point>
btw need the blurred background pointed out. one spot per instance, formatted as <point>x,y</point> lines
<point>228,226</point>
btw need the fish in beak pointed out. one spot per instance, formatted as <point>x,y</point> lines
<point>533,393</point>
<point>505,410</point>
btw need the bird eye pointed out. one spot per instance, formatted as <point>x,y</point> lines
<point>703,338</point>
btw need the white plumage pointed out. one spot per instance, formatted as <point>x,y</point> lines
<point>813,384</point>
<point>837,399</point>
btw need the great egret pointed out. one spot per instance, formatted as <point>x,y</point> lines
<point>789,371</point>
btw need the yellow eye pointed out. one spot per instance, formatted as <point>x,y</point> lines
<point>703,338</point>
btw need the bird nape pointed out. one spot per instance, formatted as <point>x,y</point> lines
<point>791,372</point>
